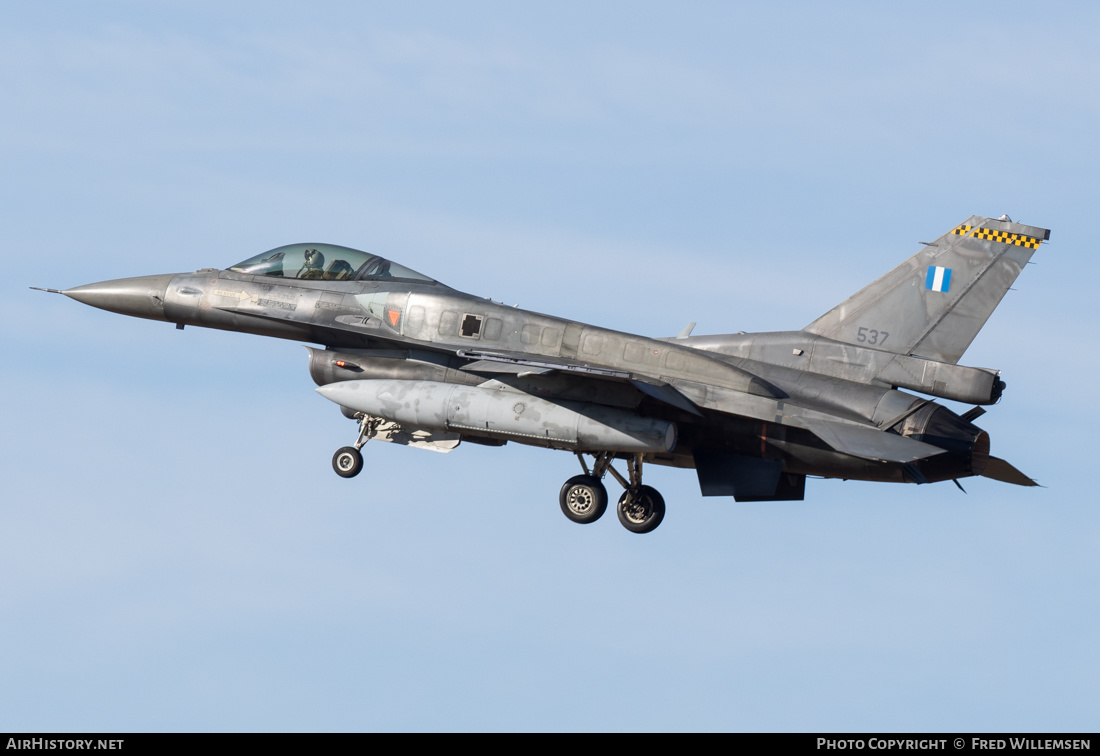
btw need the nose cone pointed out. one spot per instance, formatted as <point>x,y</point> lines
<point>141,297</point>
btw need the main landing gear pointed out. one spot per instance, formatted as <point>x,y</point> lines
<point>583,498</point>
<point>348,460</point>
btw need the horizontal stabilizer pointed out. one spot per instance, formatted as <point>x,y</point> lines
<point>868,443</point>
<point>1000,470</point>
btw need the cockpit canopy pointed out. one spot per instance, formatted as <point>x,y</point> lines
<point>328,262</point>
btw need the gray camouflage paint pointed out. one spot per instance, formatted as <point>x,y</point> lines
<point>823,401</point>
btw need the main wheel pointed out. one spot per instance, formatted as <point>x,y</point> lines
<point>583,499</point>
<point>347,462</point>
<point>644,512</point>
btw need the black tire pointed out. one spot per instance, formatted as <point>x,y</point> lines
<point>583,499</point>
<point>347,462</point>
<point>645,512</point>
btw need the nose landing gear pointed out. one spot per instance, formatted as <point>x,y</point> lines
<point>348,460</point>
<point>583,498</point>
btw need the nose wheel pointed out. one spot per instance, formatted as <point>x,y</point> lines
<point>583,498</point>
<point>348,460</point>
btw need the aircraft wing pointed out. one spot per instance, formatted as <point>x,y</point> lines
<point>518,362</point>
<point>868,443</point>
<point>521,364</point>
<point>849,438</point>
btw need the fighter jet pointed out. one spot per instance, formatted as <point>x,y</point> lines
<point>418,363</point>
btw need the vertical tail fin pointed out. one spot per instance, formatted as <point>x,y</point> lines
<point>934,303</point>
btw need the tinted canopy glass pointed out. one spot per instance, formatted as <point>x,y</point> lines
<point>328,262</point>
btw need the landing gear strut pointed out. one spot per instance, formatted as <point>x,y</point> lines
<point>583,498</point>
<point>348,460</point>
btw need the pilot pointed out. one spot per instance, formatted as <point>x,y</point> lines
<point>314,266</point>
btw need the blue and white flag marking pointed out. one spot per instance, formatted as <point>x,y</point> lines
<point>938,279</point>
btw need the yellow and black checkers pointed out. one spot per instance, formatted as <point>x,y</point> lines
<point>1020,240</point>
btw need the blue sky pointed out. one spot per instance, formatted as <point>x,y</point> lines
<point>175,551</point>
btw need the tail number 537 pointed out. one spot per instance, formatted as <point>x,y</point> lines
<point>871,336</point>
